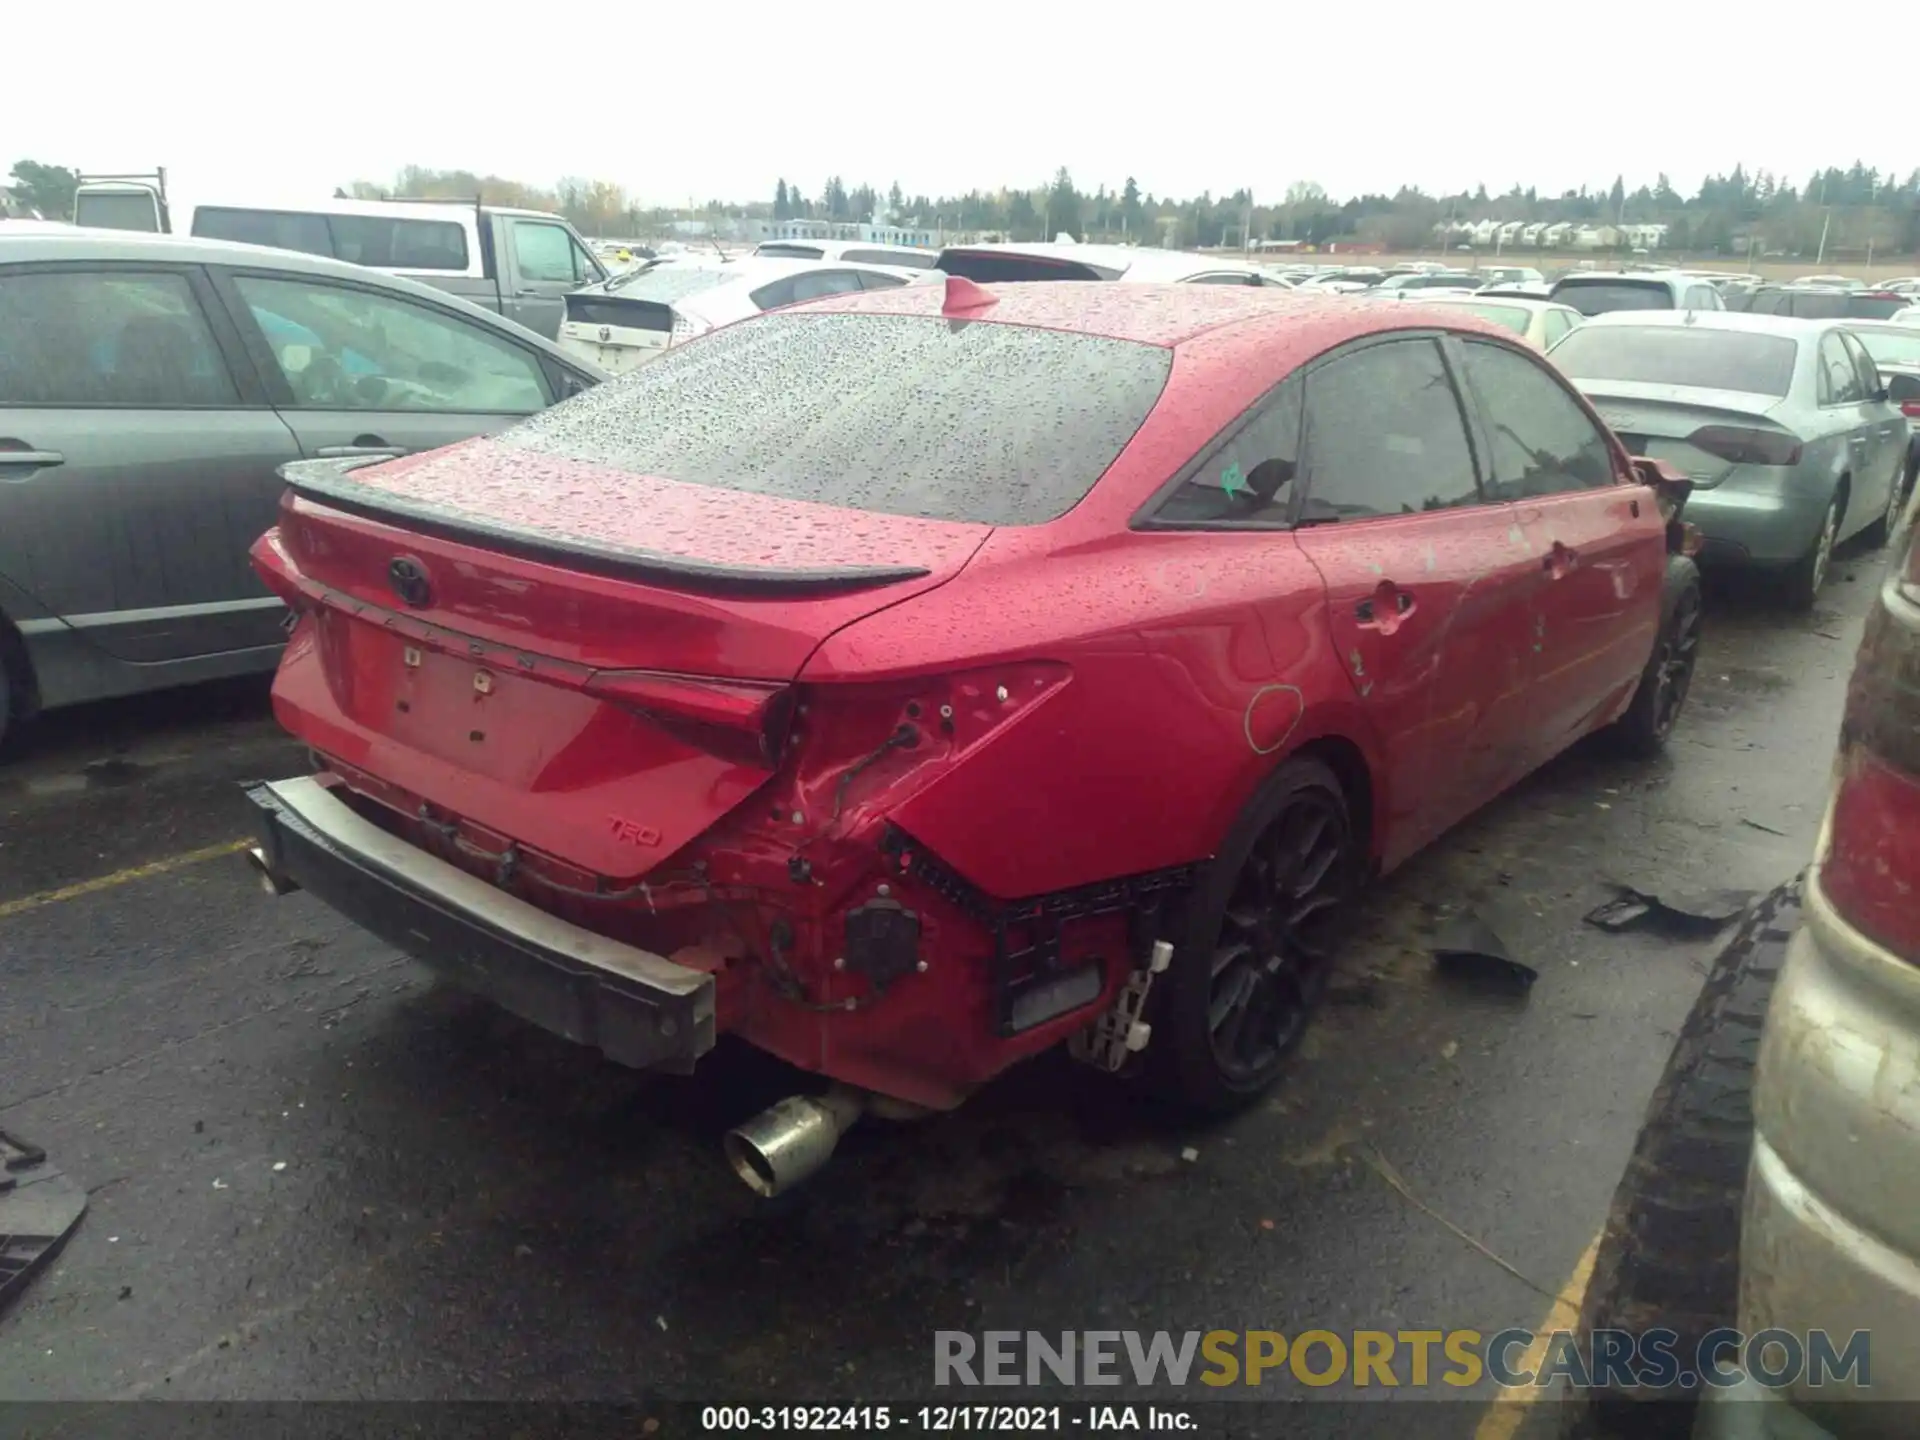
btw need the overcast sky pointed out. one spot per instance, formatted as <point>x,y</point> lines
<point>670,99</point>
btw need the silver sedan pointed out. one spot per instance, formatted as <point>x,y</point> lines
<point>1784,426</point>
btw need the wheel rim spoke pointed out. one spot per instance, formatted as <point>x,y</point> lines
<point>1272,946</point>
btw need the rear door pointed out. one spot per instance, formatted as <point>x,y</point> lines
<point>1427,579</point>
<point>1889,429</point>
<point>358,370</point>
<point>137,449</point>
<point>1855,416</point>
<point>1597,545</point>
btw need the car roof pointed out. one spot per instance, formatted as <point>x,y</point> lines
<point>1163,313</point>
<point>759,269</point>
<point>1133,262</point>
<point>44,241</point>
<point>1794,326</point>
<point>1534,303</point>
<point>833,249</point>
<point>1671,277</point>
<point>1889,326</point>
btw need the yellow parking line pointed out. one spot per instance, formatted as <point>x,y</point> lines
<point>119,877</point>
<point>1509,1407</point>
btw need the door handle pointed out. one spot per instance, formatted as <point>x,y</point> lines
<point>38,459</point>
<point>345,452</point>
<point>1368,611</point>
<point>1559,560</point>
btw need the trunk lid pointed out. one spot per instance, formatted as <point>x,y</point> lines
<point>591,663</point>
<point>1655,420</point>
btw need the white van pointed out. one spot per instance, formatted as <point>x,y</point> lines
<point>519,263</point>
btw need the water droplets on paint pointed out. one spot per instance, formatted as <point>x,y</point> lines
<point>875,416</point>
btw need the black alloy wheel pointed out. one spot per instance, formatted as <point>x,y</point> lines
<point>1674,662</point>
<point>1262,940</point>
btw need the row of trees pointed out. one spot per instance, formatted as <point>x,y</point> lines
<point>1854,208</point>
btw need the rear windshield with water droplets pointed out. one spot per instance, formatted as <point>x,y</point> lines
<point>903,415</point>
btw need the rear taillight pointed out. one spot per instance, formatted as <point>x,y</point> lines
<point>743,720</point>
<point>1871,869</point>
<point>1910,409</point>
<point>685,327</point>
<point>274,567</point>
<point>1747,447</point>
<point>859,742</point>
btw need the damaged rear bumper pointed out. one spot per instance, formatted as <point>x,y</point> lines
<point>638,1008</point>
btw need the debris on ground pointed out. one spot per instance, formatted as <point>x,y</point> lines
<point>1378,1163</point>
<point>39,1206</point>
<point>1761,825</point>
<point>1691,912</point>
<point>1467,947</point>
<point>1189,1154</point>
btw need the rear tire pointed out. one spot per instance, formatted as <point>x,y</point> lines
<point>1882,530</point>
<point>1662,692</point>
<point>1670,1253</point>
<point>1259,942</point>
<point>1808,574</point>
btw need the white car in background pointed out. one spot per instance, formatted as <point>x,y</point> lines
<point>1537,321</point>
<point>854,252</point>
<point>634,318</point>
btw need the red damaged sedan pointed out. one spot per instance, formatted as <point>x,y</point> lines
<point>907,682</point>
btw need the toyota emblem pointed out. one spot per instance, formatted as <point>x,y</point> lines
<point>408,577</point>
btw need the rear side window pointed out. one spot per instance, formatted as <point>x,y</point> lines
<point>1543,442</point>
<point>1597,297</point>
<point>1839,376</point>
<point>118,210</point>
<point>873,412</point>
<point>107,338</point>
<point>1385,435</point>
<point>1556,324</point>
<point>1863,364</point>
<point>399,244</point>
<point>1679,355</point>
<point>992,267</point>
<point>1249,479</point>
<point>282,229</point>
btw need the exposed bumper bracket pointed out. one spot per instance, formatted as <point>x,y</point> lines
<point>637,1008</point>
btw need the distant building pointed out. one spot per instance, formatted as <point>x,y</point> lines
<point>864,233</point>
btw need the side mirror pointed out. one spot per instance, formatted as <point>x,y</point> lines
<point>1902,388</point>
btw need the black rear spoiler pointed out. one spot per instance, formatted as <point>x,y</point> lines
<point>327,482</point>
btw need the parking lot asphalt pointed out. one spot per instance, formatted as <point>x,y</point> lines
<point>314,1173</point>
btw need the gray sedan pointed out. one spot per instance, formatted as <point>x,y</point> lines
<point>149,387</point>
<point>1783,424</point>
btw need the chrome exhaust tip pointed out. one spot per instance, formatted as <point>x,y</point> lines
<point>271,880</point>
<point>790,1140</point>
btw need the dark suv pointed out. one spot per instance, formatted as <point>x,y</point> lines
<point>1821,302</point>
